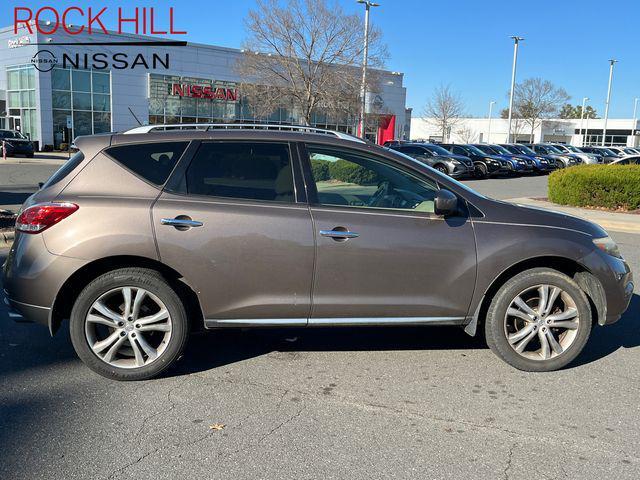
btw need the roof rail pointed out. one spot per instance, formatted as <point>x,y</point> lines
<point>242,126</point>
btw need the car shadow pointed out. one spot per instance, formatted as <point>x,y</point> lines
<point>13,198</point>
<point>606,340</point>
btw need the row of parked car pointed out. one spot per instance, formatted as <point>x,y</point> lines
<point>487,160</point>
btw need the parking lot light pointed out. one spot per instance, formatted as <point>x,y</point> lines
<point>612,62</point>
<point>363,88</point>
<point>635,117</point>
<point>491,104</point>
<point>584,101</point>
<point>516,42</point>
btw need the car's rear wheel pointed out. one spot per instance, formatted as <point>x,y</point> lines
<point>129,324</point>
<point>539,320</point>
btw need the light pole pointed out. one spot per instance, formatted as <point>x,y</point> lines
<point>612,62</point>
<point>516,42</point>
<point>365,61</point>
<point>635,117</point>
<point>586,131</point>
<point>491,104</point>
<point>584,101</point>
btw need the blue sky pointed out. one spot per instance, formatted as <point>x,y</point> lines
<point>464,43</point>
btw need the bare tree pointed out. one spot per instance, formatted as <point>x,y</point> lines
<point>444,110</point>
<point>467,134</point>
<point>304,56</point>
<point>536,99</point>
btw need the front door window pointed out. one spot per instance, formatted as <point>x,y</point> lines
<point>346,178</point>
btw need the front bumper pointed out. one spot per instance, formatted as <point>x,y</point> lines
<point>616,279</point>
<point>462,171</point>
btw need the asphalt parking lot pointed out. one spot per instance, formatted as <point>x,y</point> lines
<point>342,403</point>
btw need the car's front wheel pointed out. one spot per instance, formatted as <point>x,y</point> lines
<point>129,324</point>
<point>539,320</point>
<point>442,169</point>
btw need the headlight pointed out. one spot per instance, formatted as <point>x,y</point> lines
<point>607,245</point>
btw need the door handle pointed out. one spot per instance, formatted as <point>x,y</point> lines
<point>339,233</point>
<point>181,222</point>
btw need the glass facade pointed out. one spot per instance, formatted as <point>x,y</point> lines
<point>168,106</point>
<point>21,100</point>
<point>82,99</point>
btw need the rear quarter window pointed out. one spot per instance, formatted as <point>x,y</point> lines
<point>152,162</point>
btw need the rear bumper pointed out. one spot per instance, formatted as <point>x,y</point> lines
<point>32,278</point>
<point>25,313</point>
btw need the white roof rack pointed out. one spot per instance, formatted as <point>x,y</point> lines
<point>241,126</point>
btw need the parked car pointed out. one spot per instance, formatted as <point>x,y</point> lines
<point>435,156</point>
<point>623,151</point>
<point>519,164</point>
<point>562,160</point>
<point>541,163</point>
<point>628,160</point>
<point>607,155</point>
<point>485,165</point>
<point>16,143</point>
<point>142,236</point>
<point>587,158</point>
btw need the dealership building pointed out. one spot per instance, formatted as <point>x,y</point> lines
<point>53,103</point>
<point>620,132</point>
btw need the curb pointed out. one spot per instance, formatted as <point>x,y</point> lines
<point>614,221</point>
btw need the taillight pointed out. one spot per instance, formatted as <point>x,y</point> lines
<point>38,218</point>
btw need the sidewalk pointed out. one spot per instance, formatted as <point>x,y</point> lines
<point>43,158</point>
<point>616,222</point>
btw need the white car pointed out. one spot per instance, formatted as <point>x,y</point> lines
<point>624,151</point>
<point>587,158</point>
<point>628,160</point>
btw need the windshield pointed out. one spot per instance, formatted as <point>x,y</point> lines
<point>470,149</point>
<point>551,149</point>
<point>486,149</point>
<point>609,153</point>
<point>501,150</point>
<point>438,150</point>
<point>11,134</point>
<point>573,149</point>
<point>440,175</point>
<point>524,150</point>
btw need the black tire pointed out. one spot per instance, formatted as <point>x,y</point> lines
<point>154,283</point>
<point>481,171</point>
<point>496,335</point>
<point>442,168</point>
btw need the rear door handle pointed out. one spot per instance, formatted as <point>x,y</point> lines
<point>181,222</point>
<point>339,234</point>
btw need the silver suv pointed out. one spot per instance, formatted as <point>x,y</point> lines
<point>143,236</point>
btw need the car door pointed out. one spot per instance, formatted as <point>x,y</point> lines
<point>233,223</point>
<point>382,255</point>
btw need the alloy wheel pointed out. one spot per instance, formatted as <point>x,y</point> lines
<point>128,327</point>
<point>541,322</point>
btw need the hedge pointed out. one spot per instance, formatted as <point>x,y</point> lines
<point>615,187</point>
<point>320,170</point>
<point>351,173</point>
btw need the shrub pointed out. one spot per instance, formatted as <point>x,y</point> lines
<point>610,186</point>
<point>320,169</point>
<point>351,173</point>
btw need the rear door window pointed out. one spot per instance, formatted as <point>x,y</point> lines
<point>152,162</point>
<point>242,170</point>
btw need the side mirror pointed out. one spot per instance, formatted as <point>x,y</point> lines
<point>446,203</point>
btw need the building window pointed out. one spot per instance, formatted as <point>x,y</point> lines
<point>21,100</point>
<point>82,99</point>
